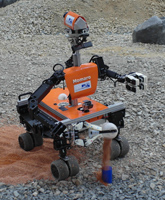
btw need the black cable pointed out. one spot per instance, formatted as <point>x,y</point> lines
<point>57,65</point>
<point>94,56</point>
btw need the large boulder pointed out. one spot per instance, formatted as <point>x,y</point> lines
<point>151,31</point>
<point>4,3</point>
<point>1,3</point>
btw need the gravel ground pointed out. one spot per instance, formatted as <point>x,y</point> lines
<point>27,55</point>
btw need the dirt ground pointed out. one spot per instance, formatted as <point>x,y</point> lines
<point>18,166</point>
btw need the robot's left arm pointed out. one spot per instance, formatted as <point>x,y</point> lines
<point>134,81</point>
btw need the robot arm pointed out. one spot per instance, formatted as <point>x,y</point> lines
<point>43,90</point>
<point>30,114</point>
<point>134,81</point>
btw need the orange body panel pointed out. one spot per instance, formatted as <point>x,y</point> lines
<point>81,81</point>
<point>53,102</point>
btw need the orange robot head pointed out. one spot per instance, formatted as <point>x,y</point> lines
<point>77,25</point>
<point>74,21</point>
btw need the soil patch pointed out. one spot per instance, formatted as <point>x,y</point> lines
<point>18,166</point>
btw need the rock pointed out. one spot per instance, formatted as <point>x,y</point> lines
<point>16,194</point>
<point>1,184</point>
<point>162,193</point>
<point>65,192</point>
<point>41,190</point>
<point>124,177</point>
<point>1,3</point>
<point>78,195</point>
<point>76,182</point>
<point>161,173</point>
<point>2,190</point>
<point>152,186</point>
<point>35,194</point>
<point>4,3</point>
<point>151,31</point>
<point>57,192</point>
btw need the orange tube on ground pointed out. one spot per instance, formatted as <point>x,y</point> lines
<point>106,153</point>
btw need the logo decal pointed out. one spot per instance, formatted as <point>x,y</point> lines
<point>81,79</point>
<point>69,20</point>
<point>82,86</point>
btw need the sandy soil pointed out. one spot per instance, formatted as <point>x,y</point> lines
<point>18,166</point>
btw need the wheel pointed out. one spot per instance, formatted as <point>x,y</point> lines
<point>38,140</point>
<point>59,170</point>
<point>73,166</point>
<point>26,142</point>
<point>124,145</point>
<point>115,149</point>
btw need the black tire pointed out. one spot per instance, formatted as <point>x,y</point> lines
<point>115,149</point>
<point>59,170</point>
<point>26,142</point>
<point>124,145</point>
<point>38,140</point>
<point>73,166</point>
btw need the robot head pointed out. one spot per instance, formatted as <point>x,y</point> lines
<point>77,25</point>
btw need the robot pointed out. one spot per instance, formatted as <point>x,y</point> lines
<point>65,114</point>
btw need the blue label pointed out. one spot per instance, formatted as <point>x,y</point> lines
<point>82,86</point>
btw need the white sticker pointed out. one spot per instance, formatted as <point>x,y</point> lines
<point>69,20</point>
<point>82,86</point>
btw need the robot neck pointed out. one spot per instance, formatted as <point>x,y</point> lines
<point>76,54</point>
<point>76,59</point>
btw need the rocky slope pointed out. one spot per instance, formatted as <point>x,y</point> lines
<point>45,17</point>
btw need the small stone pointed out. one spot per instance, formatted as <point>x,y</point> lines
<point>41,190</point>
<point>57,192</point>
<point>152,185</point>
<point>85,175</point>
<point>54,187</point>
<point>153,173</point>
<point>124,177</point>
<point>1,184</point>
<point>77,182</point>
<point>35,194</point>
<point>16,194</point>
<point>78,195</point>
<point>127,168</point>
<point>162,193</point>
<point>93,197</point>
<point>35,184</point>
<point>121,99</point>
<point>130,186</point>
<point>65,192</point>
<point>161,173</point>
<point>2,190</point>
